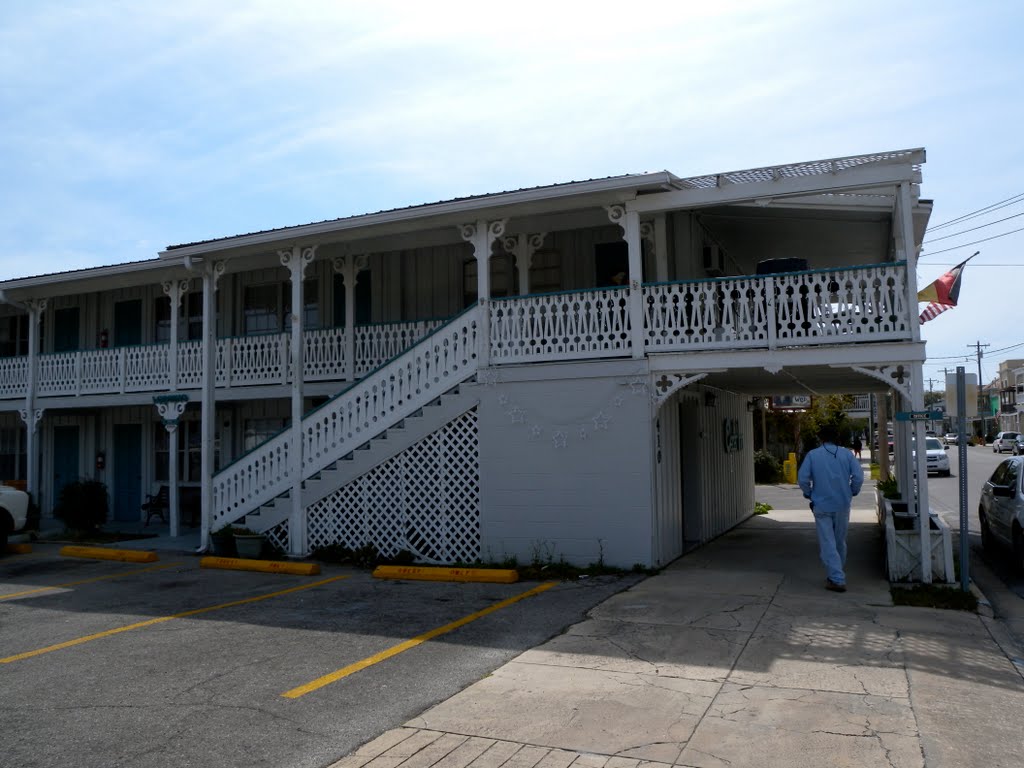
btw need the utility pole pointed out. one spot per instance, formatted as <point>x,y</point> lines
<point>981,389</point>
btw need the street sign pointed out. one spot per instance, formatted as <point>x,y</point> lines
<point>970,395</point>
<point>918,415</point>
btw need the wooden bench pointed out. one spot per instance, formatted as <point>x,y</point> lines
<point>157,504</point>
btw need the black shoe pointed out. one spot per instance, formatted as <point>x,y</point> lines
<point>832,586</point>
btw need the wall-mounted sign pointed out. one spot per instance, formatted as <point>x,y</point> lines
<point>731,435</point>
<point>791,402</point>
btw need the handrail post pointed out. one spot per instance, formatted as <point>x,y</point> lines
<point>771,314</point>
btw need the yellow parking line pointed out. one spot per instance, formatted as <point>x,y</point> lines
<point>394,650</point>
<point>87,581</point>
<point>161,619</point>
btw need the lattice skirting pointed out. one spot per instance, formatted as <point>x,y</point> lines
<point>425,500</point>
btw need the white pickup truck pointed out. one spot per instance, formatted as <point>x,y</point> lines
<point>13,513</point>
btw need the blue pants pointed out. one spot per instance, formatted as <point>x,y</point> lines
<point>831,528</point>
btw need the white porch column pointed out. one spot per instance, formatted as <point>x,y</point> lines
<point>523,247</point>
<point>921,459</point>
<point>170,408</point>
<point>30,414</point>
<point>481,235</point>
<point>212,272</point>
<point>904,229</point>
<point>349,268</point>
<point>296,259</point>
<point>660,248</point>
<point>630,223</point>
<point>174,289</point>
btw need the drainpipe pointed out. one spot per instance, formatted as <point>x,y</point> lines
<point>31,415</point>
<point>212,272</point>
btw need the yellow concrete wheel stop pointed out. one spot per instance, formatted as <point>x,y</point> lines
<point>433,573</point>
<point>262,566</point>
<point>19,549</point>
<point>102,553</point>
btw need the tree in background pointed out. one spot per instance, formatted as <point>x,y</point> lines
<point>826,409</point>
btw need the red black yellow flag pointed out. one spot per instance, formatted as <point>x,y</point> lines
<point>943,293</point>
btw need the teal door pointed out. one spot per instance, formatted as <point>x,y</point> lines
<point>127,485</point>
<point>128,322</point>
<point>65,330</point>
<point>65,458</point>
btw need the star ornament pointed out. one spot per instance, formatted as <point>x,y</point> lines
<point>560,439</point>
<point>601,421</point>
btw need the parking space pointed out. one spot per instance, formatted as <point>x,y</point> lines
<point>167,664</point>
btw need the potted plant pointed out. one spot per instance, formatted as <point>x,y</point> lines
<point>223,541</point>
<point>248,543</point>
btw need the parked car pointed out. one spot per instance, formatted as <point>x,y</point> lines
<point>1018,446</point>
<point>950,438</point>
<point>1004,442</point>
<point>1001,510</point>
<point>13,513</point>
<point>938,460</point>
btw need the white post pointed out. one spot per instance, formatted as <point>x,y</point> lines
<point>30,415</point>
<point>923,507</point>
<point>211,275</point>
<point>296,259</point>
<point>904,228</point>
<point>170,408</point>
<point>349,267</point>
<point>481,236</point>
<point>174,289</point>
<point>523,247</point>
<point>630,223</point>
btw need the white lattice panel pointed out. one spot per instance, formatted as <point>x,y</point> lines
<point>706,314</point>
<point>13,376</point>
<point>147,367</point>
<point>426,500</point>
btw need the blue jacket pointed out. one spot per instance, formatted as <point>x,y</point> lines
<point>830,476</point>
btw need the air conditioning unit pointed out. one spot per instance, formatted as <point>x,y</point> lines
<point>714,260</point>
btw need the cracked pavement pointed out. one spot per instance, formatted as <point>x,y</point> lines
<point>737,656</point>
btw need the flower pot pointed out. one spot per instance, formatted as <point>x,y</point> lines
<point>223,546</point>
<point>250,546</point>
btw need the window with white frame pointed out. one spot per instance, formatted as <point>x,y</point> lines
<point>267,307</point>
<point>258,431</point>
<point>190,452</point>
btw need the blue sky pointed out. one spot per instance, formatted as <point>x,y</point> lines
<point>129,126</point>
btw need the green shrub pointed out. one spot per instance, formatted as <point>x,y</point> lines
<point>889,488</point>
<point>83,505</point>
<point>762,508</point>
<point>767,468</point>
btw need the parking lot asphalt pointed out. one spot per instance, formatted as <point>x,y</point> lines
<point>166,664</point>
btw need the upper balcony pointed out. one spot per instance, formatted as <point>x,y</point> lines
<point>800,309</point>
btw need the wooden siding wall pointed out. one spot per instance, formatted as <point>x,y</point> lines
<point>727,479</point>
<point>668,499</point>
<point>576,497</point>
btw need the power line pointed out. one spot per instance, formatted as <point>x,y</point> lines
<point>981,211</point>
<point>975,242</point>
<point>972,229</point>
<point>954,263</point>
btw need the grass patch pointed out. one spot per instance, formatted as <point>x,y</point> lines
<point>935,596</point>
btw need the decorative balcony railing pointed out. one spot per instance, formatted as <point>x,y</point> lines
<point>828,306</point>
<point>241,361</point>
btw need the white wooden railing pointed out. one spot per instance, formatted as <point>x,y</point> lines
<point>559,326</point>
<point>241,361</point>
<point>380,400</point>
<point>826,306</point>
<point>831,306</point>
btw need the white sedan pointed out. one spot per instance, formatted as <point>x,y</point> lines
<point>13,513</point>
<point>938,460</point>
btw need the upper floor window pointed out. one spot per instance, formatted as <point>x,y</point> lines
<point>267,308</point>
<point>190,318</point>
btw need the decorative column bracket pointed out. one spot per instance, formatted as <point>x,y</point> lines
<point>523,247</point>
<point>669,383</point>
<point>37,416</point>
<point>170,408</point>
<point>896,376</point>
<point>217,270</point>
<point>297,258</point>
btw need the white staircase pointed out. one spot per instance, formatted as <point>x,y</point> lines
<point>386,404</point>
<point>367,456</point>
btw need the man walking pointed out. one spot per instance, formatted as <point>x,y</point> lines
<point>830,477</point>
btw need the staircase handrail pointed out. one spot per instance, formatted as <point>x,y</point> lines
<point>378,401</point>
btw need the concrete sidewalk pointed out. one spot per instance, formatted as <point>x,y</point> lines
<point>737,656</point>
